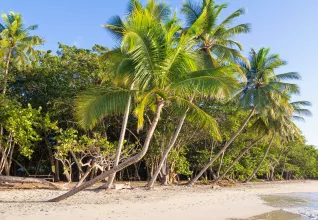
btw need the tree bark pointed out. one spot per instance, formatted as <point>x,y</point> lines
<point>12,179</point>
<point>276,163</point>
<point>285,160</point>
<point>166,152</point>
<point>193,180</point>
<point>6,71</point>
<point>122,165</point>
<point>111,178</point>
<point>57,171</point>
<point>168,149</point>
<point>261,162</point>
<point>237,159</point>
<point>79,167</point>
<point>220,164</point>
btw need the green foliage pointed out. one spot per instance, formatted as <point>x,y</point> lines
<point>23,125</point>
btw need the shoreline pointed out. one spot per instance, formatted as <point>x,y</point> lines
<point>173,202</point>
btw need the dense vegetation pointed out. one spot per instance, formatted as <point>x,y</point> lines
<point>171,102</point>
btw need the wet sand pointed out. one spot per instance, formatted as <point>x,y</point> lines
<point>276,215</point>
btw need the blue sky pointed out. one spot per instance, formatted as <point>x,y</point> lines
<point>287,27</point>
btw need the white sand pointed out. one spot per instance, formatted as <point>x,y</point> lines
<point>197,203</point>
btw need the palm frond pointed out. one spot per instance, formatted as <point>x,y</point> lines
<point>95,104</point>
<point>197,116</point>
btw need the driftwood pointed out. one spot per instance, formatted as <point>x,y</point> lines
<point>6,185</point>
<point>14,179</point>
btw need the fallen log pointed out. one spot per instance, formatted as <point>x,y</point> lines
<point>14,179</point>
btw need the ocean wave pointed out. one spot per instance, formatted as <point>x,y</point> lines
<point>311,213</point>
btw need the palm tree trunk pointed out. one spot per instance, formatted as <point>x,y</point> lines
<point>237,159</point>
<point>285,160</point>
<point>193,180</point>
<point>111,178</point>
<point>166,152</point>
<point>168,149</point>
<point>220,165</point>
<point>276,163</point>
<point>6,71</point>
<point>122,165</point>
<point>261,162</point>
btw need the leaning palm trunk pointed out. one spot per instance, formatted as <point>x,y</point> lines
<point>237,159</point>
<point>122,165</point>
<point>193,180</point>
<point>168,149</point>
<point>273,167</point>
<point>6,71</point>
<point>166,152</point>
<point>261,162</point>
<point>220,165</point>
<point>284,165</point>
<point>120,144</point>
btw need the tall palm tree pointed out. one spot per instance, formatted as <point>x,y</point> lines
<point>282,126</point>
<point>265,93</point>
<point>16,44</point>
<point>167,71</point>
<point>299,112</point>
<point>124,63</point>
<point>216,41</point>
<point>17,48</point>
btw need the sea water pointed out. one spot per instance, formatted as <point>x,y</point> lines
<point>304,204</point>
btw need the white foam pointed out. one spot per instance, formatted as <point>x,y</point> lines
<point>304,211</point>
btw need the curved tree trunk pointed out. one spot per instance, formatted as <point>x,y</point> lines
<point>111,178</point>
<point>164,157</point>
<point>193,180</point>
<point>237,159</point>
<point>166,152</point>
<point>6,71</point>
<point>261,162</point>
<point>284,165</point>
<point>220,164</point>
<point>276,163</point>
<point>122,165</point>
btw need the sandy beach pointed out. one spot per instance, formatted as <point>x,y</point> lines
<point>176,202</point>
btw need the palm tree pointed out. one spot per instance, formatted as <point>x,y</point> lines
<point>124,64</point>
<point>283,127</point>
<point>167,72</point>
<point>216,41</point>
<point>16,44</point>
<point>17,48</point>
<point>299,112</point>
<point>264,93</point>
<point>253,143</point>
